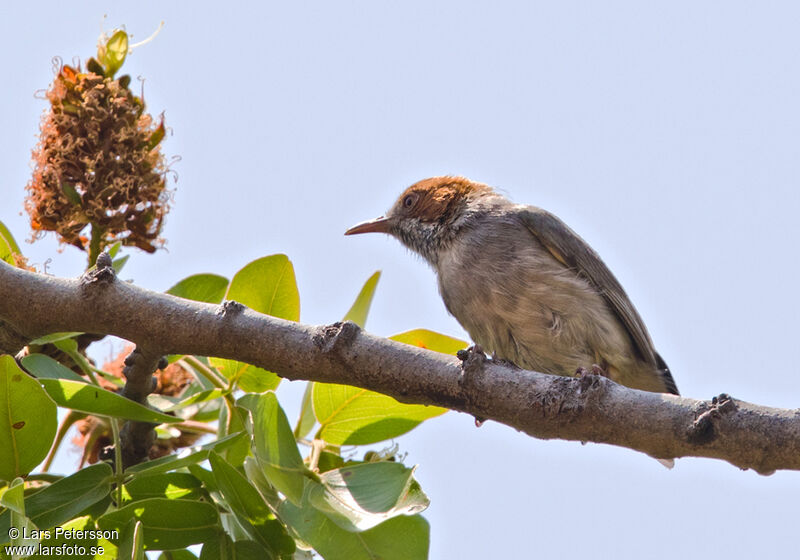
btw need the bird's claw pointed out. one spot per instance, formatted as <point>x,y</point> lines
<point>598,370</point>
<point>594,370</point>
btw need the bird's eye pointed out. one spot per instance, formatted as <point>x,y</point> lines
<point>409,200</point>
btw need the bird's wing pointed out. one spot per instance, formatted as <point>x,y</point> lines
<point>573,252</point>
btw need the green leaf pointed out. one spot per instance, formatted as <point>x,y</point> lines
<point>53,337</point>
<point>8,239</point>
<point>307,419</point>
<point>156,136</point>
<point>249,550</point>
<point>200,397</point>
<point>114,249</point>
<point>92,399</point>
<point>255,474</point>
<point>235,419</point>
<point>399,538</point>
<point>13,498</point>
<point>202,372</point>
<point>171,462</point>
<point>171,485</point>
<point>208,288</point>
<point>177,555</point>
<point>131,544</point>
<point>224,547</point>
<point>92,65</point>
<point>250,509</point>
<point>359,497</point>
<point>248,378</point>
<point>249,401</point>
<point>231,526</point>
<point>68,345</point>
<point>8,246</point>
<point>119,264</point>
<point>219,547</point>
<point>423,338</point>
<point>71,193</point>
<point>114,53</point>
<point>267,285</point>
<point>354,416</point>
<point>168,524</point>
<point>98,508</point>
<point>205,412</point>
<point>61,501</point>
<point>28,421</point>
<point>68,536</point>
<point>205,476</point>
<point>276,449</point>
<point>329,461</point>
<point>358,312</point>
<point>45,367</point>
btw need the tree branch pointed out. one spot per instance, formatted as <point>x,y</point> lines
<point>137,437</point>
<point>589,408</point>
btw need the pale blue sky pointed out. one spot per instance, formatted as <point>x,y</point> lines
<point>666,134</point>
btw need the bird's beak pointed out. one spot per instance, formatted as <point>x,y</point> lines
<point>378,225</point>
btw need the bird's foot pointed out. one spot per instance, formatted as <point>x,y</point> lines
<point>594,370</point>
<point>474,352</point>
<point>599,370</point>
<point>590,378</point>
<point>473,363</point>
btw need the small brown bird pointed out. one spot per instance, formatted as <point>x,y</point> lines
<point>524,285</point>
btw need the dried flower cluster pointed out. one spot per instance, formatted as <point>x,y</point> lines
<point>98,164</point>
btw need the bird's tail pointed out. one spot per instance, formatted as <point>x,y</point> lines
<point>666,375</point>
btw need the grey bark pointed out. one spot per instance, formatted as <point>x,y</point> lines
<point>587,408</point>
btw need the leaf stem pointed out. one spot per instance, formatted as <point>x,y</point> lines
<point>119,476</point>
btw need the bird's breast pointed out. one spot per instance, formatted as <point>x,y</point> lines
<point>517,301</point>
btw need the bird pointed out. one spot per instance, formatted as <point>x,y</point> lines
<point>523,284</point>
